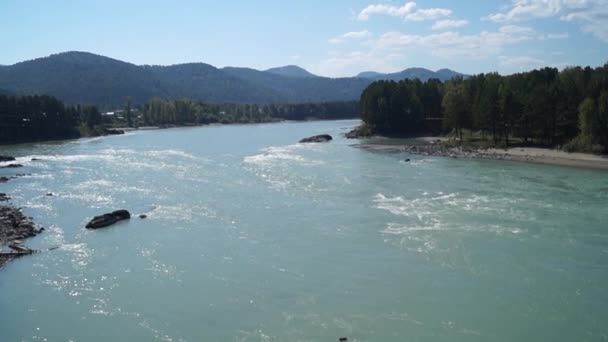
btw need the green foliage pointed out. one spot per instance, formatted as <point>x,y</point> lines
<point>455,107</point>
<point>129,113</point>
<point>34,118</point>
<point>587,110</point>
<point>390,107</point>
<point>542,107</point>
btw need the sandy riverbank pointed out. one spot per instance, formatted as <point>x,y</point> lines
<point>523,154</point>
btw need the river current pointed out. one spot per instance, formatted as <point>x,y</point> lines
<point>250,236</point>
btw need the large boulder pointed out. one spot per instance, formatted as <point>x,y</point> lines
<point>317,139</point>
<point>108,219</point>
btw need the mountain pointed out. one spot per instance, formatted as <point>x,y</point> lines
<point>86,78</point>
<point>447,74</point>
<point>412,73</point>
<point>291,71</point>
<point>79,77</point>
<point>369,74</point>
<point>204,82</point>
<point>310,89</point>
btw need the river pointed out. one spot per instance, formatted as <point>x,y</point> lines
<point>253,237</point>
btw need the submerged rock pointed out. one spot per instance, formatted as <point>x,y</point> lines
<point>108,219</point>
<point>317,139</point>
<point>143,216</point>
<point>6,158</point>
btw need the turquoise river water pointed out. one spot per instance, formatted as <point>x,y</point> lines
<point>253,237</point>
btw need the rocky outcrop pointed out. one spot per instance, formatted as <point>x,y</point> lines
<point>11,166</point>
<point>108,219</point>
<point>317,139</point>
<point>6,158</point>
<point>15,227</point>
<point>113,131</point>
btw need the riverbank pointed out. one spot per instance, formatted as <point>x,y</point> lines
<point>14,226</point>
<point>435,146</point>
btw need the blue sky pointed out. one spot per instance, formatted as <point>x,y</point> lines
<point>330,38</point>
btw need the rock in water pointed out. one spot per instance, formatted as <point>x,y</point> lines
<point>6,158</point>
<point>122,214</point>
<point>317,139</point>
<point>108,219</point>
<point>11,166</point>
<point>19,248</point>
<point>143,216</point>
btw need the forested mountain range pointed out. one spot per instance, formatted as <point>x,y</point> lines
<point>85,78</point>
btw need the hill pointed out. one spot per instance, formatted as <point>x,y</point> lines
<point>291,71</point>
<point>86,78</point>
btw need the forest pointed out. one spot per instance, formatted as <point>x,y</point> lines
<point>542,107</point>
<point>179,112</point>
<point>39,118</point>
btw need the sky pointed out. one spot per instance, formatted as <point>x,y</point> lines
<point>333,38</point>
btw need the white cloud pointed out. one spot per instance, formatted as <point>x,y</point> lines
<point>350,36</point>
<point>527,9</point>
<point>389,51</point>
<point>452,44</point>
<point>449,23</point>
<point>520,62</point>
<point>591,15</point>
<point>349,64</point>
<point>557,36</point>
<point>408,12</point>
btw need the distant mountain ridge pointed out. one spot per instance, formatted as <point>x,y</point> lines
<point>413,73</point>
<point>86,78</point>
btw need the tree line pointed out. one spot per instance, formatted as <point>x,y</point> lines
<point>38,118</point>
<point>35,118</point>
<point>541,107</point>
<point>180,112</point>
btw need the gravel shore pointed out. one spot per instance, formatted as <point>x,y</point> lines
<point>524,154</point>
